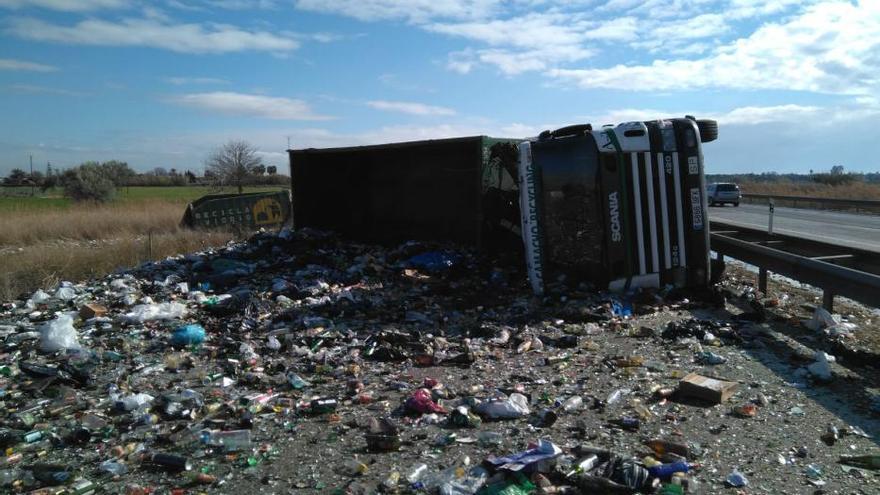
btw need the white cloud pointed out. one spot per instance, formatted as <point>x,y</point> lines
<point>182,81</point>
<point>410,10</point>
<point>754,115</point>
<point>184,38</point>
<point>65,5</point>
<point>24,65</point>
<point>525,31</point>
<point>410,108</point>
<point>512,62</point>
<point>812,116</point>
<point>532,42</point>
<point>43,90</point>
<point>268,107</point>
<point>830,48</point>
<point>230,4</point>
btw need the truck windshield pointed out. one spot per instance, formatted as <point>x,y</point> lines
<point>573,225</point>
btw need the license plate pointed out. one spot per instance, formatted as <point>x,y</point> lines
<point>697,208</point>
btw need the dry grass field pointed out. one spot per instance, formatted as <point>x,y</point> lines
<point>46,240</point>
<point>26,268</point>
<point>853,190</point>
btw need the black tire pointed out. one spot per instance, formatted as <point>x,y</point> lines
<point>571,130</point>
<point>736,205</point>
<point>708,130</point>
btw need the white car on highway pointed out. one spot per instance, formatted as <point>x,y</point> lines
<point>723,192</point>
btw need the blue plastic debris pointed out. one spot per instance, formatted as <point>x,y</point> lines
<point>545,450</point>
<point>188,335</point>
<point>434,261</point>
<point>621,307</point>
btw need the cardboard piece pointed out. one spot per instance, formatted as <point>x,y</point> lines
<point>91,310</point>
<point>709,389</point>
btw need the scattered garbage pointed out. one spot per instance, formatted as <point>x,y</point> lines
<point>303,362</point>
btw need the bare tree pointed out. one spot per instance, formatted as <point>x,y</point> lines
<point>234,162</point>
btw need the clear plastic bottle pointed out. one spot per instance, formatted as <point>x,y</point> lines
<point>231,441</point>
<point>355,467</point>
<point>490,438</point>
<point>8,476</point>
<point>463,483</point>
<point>417,472</point>
<point>572,403</point>
<point>389,485</point>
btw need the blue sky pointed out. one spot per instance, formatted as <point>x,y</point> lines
<point>793,83</point>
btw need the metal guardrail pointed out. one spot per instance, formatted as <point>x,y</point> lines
<point>822,203</point>
<point>837,270</point>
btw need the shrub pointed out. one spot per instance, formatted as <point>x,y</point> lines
<point>88,182</point>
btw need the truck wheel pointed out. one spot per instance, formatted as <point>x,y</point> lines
<point>708,130</point>
<point>571,130</point>
<point>736,204</point>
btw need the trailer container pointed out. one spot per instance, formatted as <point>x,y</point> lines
<point>622,206</point>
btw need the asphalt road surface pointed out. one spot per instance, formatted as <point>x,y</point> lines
<point>860,231</point>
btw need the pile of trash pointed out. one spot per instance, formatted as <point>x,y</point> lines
<point>299,360</point>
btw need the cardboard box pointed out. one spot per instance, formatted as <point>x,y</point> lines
<point>705,388</point>
<point>91,310</point>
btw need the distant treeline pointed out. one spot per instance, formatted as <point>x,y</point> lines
<point>833,178</point>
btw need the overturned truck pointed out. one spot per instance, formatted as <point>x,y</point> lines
<point>622,206</point>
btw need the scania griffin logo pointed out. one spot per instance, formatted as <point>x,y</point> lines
<point>614,213</point>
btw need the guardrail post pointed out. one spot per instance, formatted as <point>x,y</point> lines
<point>828,300</point>
<point>762,280</point>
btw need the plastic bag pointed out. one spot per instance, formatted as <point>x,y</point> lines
<point>65,293</point>
<point>188,335</point>
<point>545,450</point>
<point>163,311</point>
<point>821,369</point>
<point>843,329</point>
<point>821,319</point>
<point>433,261</point>
<point>40,297</point>
<point>515,406</point>
<point>421,402</point>
<point>59,335</point>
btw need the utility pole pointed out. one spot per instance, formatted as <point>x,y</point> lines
<point>32,174</point>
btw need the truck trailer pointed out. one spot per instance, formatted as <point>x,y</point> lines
<point>620,206</point>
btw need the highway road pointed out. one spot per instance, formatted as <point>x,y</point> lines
<point>860,231</point>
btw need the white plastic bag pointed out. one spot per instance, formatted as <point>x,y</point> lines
<point>821,369</point>
<point>821,319</point>
<point>843,329</point>
<point>149,312</point>
<point>65,293</point>
<point>515,406</point>
<point>59,335</point>
<point>40,297</point>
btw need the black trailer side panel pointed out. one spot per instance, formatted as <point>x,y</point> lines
<point>426,190</point>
